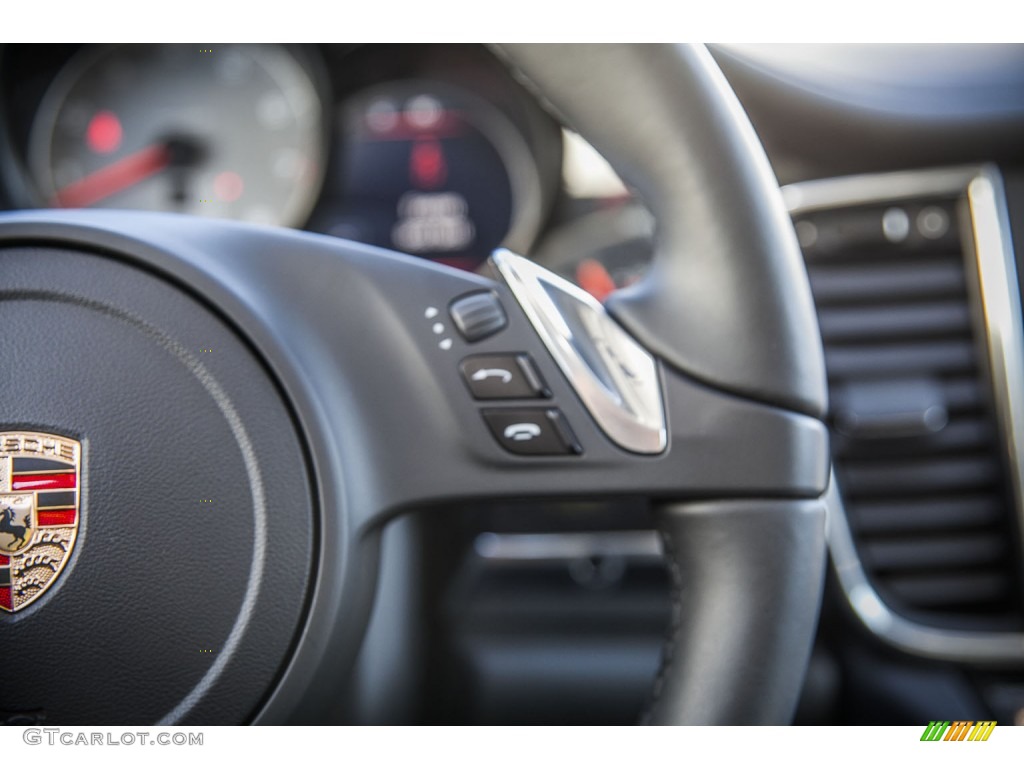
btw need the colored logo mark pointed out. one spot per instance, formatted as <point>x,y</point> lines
<point>960,730</point>
<point>39,513</point>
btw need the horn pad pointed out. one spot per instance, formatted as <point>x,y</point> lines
<point>196,537</point>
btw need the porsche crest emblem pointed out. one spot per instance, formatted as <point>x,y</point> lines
<point>39,496</point>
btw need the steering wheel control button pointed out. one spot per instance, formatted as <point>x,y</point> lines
<point>478,315</point>
<point>532,431</point>
<point>614,376</point>
<point>502,377</point>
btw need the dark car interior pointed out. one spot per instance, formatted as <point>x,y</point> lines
<point>902,171</point>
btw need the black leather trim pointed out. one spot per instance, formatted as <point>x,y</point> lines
<point>728,300</point>
<point>747,580</point>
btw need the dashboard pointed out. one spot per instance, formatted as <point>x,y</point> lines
<point>555,614</point>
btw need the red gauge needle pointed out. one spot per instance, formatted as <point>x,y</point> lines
<point>593,278</point>
<point>125,173</point>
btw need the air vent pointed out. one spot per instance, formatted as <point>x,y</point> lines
<point>916,443</point>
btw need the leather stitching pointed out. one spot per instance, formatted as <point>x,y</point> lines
<point>671,641</point>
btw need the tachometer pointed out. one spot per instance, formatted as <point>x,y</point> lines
<point>232,131</point>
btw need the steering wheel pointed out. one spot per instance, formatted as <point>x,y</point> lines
<point>232,414</point>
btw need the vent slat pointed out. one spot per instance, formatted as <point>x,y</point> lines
<point>899,359</point>
<point>965,434</point>
<point>962,589</point>
<point>894,322</point>
<point>886,281</point>
<point>963,394</point>
<point>912,516</point>
<point>943,553</point>
<point>909,477</point>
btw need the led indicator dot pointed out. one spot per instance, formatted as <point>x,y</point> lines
<point>104,133</point>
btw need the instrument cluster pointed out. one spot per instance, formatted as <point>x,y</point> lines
<point>433,150</point>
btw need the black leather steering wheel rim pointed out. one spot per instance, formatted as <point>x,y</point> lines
<point>726,311</point>
<point>727,263</point>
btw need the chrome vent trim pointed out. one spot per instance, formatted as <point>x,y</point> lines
<point>998,281</point>
<point>997,284</point>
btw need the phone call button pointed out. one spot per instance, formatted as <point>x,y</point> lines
<point>496,377</point>
<point>531,431</point>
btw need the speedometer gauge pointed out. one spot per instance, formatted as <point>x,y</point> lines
<point>431,170</point>
<point>231,131</point>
